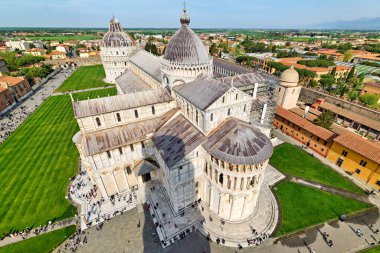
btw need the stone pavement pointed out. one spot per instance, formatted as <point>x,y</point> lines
<point>25,108</point>
<point>123,235</point>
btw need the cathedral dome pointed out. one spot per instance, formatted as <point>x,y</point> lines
<point>116,36</point>
<point>290,76</point>
<point>186,47</point>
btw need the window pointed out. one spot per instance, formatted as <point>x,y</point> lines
<point>237,96</point>
<point>129,170</point>
<point>363,163</point>
<point>118,117</point>
<point>132,148</point>
<point>196,116</point>
<point>339,162</point>
<point>315,145</point>
<point>109,154</point>
<point>180,167</point>
<point>294,90</point>
<point>142,144</point>
<point>344,153</point>
<point>98,122</point>
<point>322,149</point>
<point>136,114</point>
<point>212,117</point>
<point>318,138</point>
<point>120,151</point>
<point>325,143</point>
<point>153,110</point>
<point>223,100</point>
<point>378,182</point>
<point>311,135</point>
<point>229,112</point>
<point>245,108</point>
<point>357,171</point>
<point>221,178</point>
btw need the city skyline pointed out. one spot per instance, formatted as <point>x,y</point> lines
<point>283,14</point>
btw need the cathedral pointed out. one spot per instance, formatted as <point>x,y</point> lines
<point>198,126</point>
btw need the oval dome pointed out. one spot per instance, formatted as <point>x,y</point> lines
<point>116,36</point>
<point>290,76</point>
<point>186,47</point>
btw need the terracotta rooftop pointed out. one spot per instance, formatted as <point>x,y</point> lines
<point>376,85</point>
<point>360,145</point>
<point>351,115</point>
<point>10,80</point>
<point>305,124</point>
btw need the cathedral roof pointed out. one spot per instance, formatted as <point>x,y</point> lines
<point>116,36</point>
<point>103,105</point>
<point>186,47</point>
<point>203,91</point>
<point>111,138</point>
<point>147,62</point>
<point>237,142</point>
<point>177,139</point>
<point>129,82</point>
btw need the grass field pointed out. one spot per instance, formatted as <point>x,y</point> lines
<point>293,161</point>
<point>85,77</point>
<point>41,244</point>
<point>303,206</point>
<point>36,163</point>
<point>372,250</point>
<point>95,94</point>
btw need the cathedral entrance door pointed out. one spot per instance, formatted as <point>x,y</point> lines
<point>146,177</point>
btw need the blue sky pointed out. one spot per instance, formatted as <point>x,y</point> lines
<point>165,13</point>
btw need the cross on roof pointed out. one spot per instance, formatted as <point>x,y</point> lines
<point>184,5</point>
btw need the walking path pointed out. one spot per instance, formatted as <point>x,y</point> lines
<point>11,121</point>
<point>79,91</point>
<point>37,231</point>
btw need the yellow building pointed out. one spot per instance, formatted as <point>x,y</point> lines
<point>358,156</point>
<point>371,88</point>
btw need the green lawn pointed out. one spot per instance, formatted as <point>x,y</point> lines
<point>36,163</point>
<point>372,250</point>
<point>303,206</point>
<point>95,94</point>
<point>41,244</point>
<point>85,77</point>
<point>292,160</point>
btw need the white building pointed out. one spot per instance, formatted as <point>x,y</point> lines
<point>176,124</point>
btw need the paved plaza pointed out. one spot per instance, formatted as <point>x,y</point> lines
<point>10,122</point>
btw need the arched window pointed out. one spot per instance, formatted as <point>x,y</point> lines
<point>221,178</point>
<point>229,112</point>
<point>245,108</point>
<point>117,53</point>
<point>223,100</point>
<point>118,117</point>
<point>109,154</point>
<point>129,170</point>
<point>187,109</point>
<point>196,116</point>
<point>237,95</point>
<point>212,117</point>
<point>98,122</point>
<point>153,110</point>
<point>136,114</point>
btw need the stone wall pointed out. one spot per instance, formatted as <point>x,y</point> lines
<point>78,61</point>
<point>310,96</point>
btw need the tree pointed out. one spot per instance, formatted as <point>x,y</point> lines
<point>312,83</point>
<point>353,95</point>
<point>333,72</point>
<point>325,119</point>
<point>327,81</point>
<point>352,73</point>
<point>348,55</point>
<point>152,48</point>
<point>369,99</point>
<point>214,50</point>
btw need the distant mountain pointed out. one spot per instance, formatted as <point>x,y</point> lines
<point>358,24</point>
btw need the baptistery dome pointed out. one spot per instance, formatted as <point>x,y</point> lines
<point>116,37</point>
<point>186,47</point>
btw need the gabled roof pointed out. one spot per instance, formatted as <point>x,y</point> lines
<point>318,131</point>
<point>203,91</point>
<point>238,142</point>
<point>101,141</point>
<point>10,80</point>
<point>249,79</point>
<point>360,145</point>
<point>129,82</point>
<point>149,63</point>
<point>177,139</point>
<point>97,106</point>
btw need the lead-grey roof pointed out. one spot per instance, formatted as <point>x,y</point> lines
<point>149,63</point>
<point>237,142</point>
<point>107,139</point>
<point>177,139</point>
<point>249,79</point>
<point>98,106</point>
<point>231,66</point>
<point>203,91</point>
<point>186,47</point>
<point>129,82</point>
